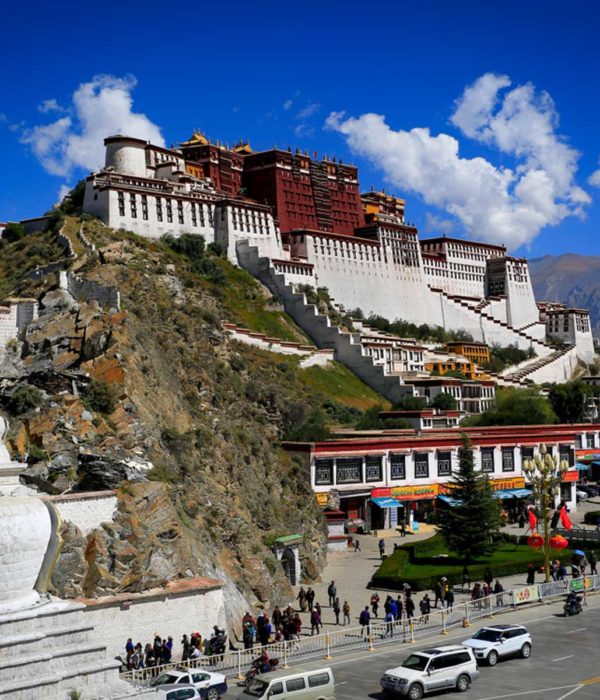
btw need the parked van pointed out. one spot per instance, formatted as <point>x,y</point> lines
<point>300,683</point>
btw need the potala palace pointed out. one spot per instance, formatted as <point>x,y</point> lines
<point>293,219</point>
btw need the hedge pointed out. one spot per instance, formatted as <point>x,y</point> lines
<point>592,517</point>
<point>417,565</point>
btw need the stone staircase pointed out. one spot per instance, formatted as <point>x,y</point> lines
<point>526,370</point>
<point>49,650</point>
<point>347,346</point>
<point>520,337</point>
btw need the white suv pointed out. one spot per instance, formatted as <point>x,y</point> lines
<point>424,671</point>
<point>492,643</point>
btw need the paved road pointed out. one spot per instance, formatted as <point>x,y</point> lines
<point>564,663</point>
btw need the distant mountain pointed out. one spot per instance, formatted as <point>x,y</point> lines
<point>571,279</point>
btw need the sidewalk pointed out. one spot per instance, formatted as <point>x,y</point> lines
<point>352,571</point>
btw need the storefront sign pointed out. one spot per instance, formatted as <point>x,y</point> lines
<point>322,499</point>
<point>527,594</point>
<point>415,493</point>
<point>587,455</point>
<point>577,584</point>
<point>571,476</point>
<point>517,482</point>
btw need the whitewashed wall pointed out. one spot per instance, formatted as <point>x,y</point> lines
<point>87,510</point>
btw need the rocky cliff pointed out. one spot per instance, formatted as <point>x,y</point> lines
<point>155,400</point>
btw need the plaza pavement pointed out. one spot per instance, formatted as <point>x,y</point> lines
<point>352,571</point>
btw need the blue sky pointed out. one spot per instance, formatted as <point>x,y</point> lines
<point>516,158</point>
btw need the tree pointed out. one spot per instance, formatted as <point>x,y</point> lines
<point>469,526</point>
<point>371,420</point>
<point>13,232</point>
<point>444,401</point>
<point>569,401</point>
<point>516,407</point>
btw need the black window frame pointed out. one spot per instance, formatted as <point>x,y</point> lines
<point>330,466</point>
<point>508,451</point>
<point>488,452</point>
<point>340,463</point>
<point>373,458</point>
<point>416,457</point>
<point>394,463</point>
<point>444,456</point>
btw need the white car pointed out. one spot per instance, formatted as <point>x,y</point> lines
<point>492,643</point>
<point>581,495</point>
<point>210,685</point>
<point>440,668</point>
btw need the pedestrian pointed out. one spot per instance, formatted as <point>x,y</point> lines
<point>425,607</point>
<point>381,548</point>
<point>487,576</point>
<point>530,574</point>
<point>336,610</point>
<point>449,597</point>
<point>393,609</point>
<point>167,650</point>
<point>346,611</point>
<point>389,625</point>
<point>388,604</point>
<point>498,591</point>
<point>357,545</point>
<point>365,621</point>
<point>185,643</point>
<point>439,595</point>
<point>399,608</point>
<point>409,604</point>
<point>310,598</point>
<point>314,622</point>
<point>593,561</point>
<point>375,604</point>
<point>277,617</point>
<point>157,648</point>
<point>403,529</point>
<point>301,598</point>
<point>466,578</point>
<point>332,593</point>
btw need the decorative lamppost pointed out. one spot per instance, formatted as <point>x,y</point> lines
<point>545,474</point>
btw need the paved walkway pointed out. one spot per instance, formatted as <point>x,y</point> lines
<point>352,571</point>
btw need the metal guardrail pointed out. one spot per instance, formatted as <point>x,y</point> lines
<point>438,622</point>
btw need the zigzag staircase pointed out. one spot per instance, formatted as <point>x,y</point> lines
<point>347,346</point>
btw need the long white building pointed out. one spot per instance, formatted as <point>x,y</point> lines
<point>382,269</point>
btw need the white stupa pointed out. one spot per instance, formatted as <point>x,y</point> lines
<point>47,647</point>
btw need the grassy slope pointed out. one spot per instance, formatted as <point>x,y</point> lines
<point>22,256</point>
<point>341,385</point>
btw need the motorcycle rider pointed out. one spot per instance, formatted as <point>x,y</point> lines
<point>573,604</point>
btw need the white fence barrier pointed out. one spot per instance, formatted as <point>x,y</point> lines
<point>438,622</point>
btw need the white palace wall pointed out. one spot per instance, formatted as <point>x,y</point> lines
<point>86,510</point>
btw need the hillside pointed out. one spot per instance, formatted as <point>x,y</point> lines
<point>157,401</point>
<point>571,279</point>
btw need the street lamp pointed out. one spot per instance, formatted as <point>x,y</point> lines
<point>545,474</point>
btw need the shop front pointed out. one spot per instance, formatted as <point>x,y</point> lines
<point>403,504</point>
<point>587,463</point>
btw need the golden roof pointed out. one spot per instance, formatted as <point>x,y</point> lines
<point>197,139</point>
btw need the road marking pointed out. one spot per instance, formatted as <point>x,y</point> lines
<point>566,695</point>
<point>562,658</point>
<point>579,629</point>
<point>531,692</point>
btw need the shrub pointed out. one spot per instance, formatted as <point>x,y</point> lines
<point>592,517</point>
<point>100,397</point>
<point>24,399</point>
<point>13,232</point>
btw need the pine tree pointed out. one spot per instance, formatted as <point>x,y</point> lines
<point>468,526</point>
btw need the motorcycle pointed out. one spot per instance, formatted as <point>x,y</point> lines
<point>258,668</point>
<point>572,605</point>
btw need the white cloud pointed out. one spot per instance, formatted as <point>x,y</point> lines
<point>3,117</point>
<point>437,224</point>
<point>594,178</point>
<point>309,111</point>
<point>287,105</point>
<point>100,108</point>
<point>63,192</point>
<point>304,130</point>
<point>494,203</point>
<point>50,106</point>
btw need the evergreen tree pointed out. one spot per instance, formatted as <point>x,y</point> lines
<point>468,527</point>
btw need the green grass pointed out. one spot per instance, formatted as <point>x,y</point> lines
<point>420,564</point>
<point>25,255</point>
<point>341,385</point>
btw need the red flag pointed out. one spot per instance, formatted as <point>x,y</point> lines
<point>532,521</point>
<point>564,519</point>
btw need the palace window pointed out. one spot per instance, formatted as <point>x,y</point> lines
<point>144,207</point>
<point>526,453</point>
<point>159,210</point>
<point>194,216</point>
<point>444,463</point>
<point>349,470</point>
<point>180,212</point>
<point>565,452</point>
<point>201,209</point>
<point>169,211</point>
<point>508,459</point>
<point>590,439</point>
<point>421,465</point>
<point>487,460</point>
<point>373,468</point>
<point>121,204</point>
<point>397,467</point>
<point>133,204</point>
<point>323,471</point>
